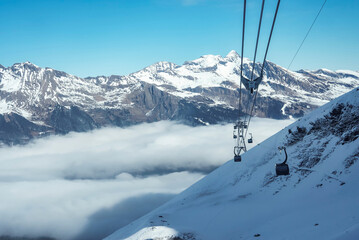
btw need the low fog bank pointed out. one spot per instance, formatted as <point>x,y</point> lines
<point>146,149</point>
<point>62,209</point>
<point>89,184</point>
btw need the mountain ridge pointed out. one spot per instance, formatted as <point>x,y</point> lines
<point>198,92</point>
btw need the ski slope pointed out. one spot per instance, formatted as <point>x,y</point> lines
<point>318,200</point>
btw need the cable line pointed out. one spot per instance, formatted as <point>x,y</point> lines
<point>259,31</point>
<point>264,61</point>
<point>311,26</point>
<point>243,29</point>
<point>255,56</point>
<point>254,60</point>
<point>270,37</point>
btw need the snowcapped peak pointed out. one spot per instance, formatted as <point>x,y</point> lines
<point>26,64</point>
<point>326,70</point>
<point>206,61</point>
<point>161,66</point>
<point>323,71</point>
<point>210,57</point>
<point>232,55</point>
<point>164,64</point>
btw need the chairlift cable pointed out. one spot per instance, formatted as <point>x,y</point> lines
<point>254,59</point>
<point>250,115</point>
<point>258,34</point>
<point>264,61</point>
<point>270,37</point>
<point>240,84</point>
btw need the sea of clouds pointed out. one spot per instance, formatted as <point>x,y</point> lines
<point>84,186</point>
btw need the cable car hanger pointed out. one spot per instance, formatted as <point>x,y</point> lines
<point>282,168</point>
<point>252,84</point>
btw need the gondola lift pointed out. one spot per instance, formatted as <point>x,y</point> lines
<point>251,85</point>
<point>237,158</point>
<point>282,168</point>
<point>250,140</point>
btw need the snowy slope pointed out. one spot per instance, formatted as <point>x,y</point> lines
<point>319,200</point>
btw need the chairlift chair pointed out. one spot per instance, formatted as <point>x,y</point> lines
<point>237,154</point>
<point>237,158</point>
<point>282,168</point>
<point>234,132</point>
<point>250,140</point>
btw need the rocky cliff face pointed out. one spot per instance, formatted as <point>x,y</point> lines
<point>202,91</point>
<point>15,129</point>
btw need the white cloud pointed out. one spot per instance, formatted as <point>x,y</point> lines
<point>62,185</point>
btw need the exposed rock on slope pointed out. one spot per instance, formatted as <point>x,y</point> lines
<point>15,129</point>
<point>64,120</point>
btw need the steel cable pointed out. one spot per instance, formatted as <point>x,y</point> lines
<point>264,60</point>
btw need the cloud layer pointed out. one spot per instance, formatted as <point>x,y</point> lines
<point>63,186</point>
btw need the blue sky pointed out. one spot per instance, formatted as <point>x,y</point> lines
<point>104,37</point>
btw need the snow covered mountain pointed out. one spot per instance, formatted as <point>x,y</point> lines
<point>318,200</point>
<point>202,91</point>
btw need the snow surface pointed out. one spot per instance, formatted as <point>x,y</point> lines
<point>355,73</point>
<point>319,200</point>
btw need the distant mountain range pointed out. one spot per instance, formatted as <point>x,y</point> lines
<point>37,101</point>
